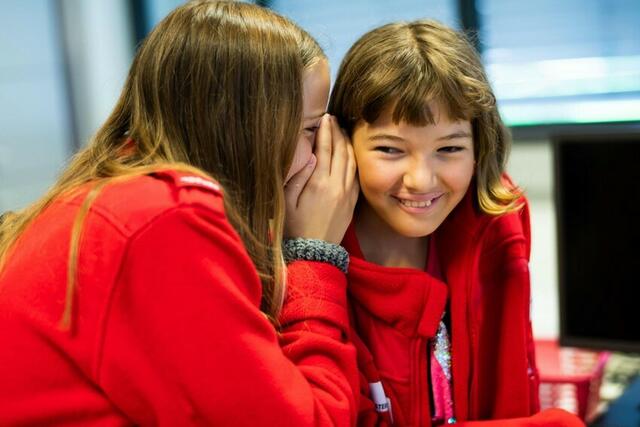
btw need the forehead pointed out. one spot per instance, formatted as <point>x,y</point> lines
<point>315,84</point>
<point>441,120</point>
<point>419,111</point>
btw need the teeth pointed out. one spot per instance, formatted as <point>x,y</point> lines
<point>415,204</point>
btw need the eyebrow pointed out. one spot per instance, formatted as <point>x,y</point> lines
<point>385,136</point>
<point>454,135</point>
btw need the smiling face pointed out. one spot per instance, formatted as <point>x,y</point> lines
<point>412,177</point>
<point>315,86</point>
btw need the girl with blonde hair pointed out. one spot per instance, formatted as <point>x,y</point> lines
<point>147,286</point>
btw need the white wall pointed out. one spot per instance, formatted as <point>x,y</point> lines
<point>531,166</point>
<point>100,40</point>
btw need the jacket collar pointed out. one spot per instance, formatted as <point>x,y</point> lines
<point>410,300</point>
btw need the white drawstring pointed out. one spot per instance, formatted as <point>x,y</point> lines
<point>380,400</point>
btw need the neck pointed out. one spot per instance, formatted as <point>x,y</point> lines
<point>382,245</point>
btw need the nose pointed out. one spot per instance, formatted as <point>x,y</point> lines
<point>420,175</point>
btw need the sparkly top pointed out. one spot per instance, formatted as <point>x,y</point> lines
<point>441,377</point>
<point>440,358</point>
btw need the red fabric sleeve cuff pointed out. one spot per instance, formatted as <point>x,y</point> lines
<point>315,290</point>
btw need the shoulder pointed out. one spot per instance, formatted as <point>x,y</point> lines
<point>516,221</point>
<point>496,231</point>
<point>482,225</point>
<point>132,203</point>
<point>510,229</point>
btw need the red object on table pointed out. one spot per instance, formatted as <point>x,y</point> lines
<point>569,377</point>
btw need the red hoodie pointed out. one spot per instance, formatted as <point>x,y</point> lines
<point>485,290</point>
<point>167,328</point>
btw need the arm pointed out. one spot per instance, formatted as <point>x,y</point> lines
<point>547,418</point>
<point>314,323</point>
<point>505,345</point>
<point>185,343</point>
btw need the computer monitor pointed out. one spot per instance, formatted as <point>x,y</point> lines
<point>597,179</point>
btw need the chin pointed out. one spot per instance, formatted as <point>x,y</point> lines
<point>413,232</point>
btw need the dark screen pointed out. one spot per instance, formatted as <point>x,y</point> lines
<point>598,212</point>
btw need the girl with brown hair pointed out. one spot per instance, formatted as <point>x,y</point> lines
<point>144,287</point>
<point>439,279</point>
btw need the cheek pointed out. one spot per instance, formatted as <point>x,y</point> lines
<point>459,177</point>
<point>376,177</point>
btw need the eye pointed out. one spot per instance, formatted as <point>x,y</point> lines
<point>450,149</point>
<point>310,130</point>
<point>387,150</point>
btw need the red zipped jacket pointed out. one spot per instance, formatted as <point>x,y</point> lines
<point>396,311</point>
<point>167,329</point>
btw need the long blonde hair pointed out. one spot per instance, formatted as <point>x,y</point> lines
<point>216,90</point>
<point>405,65</point>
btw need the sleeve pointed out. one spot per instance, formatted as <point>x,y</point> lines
<point>534,375</point>
<point>505,347</point>
<point>547,418</point>
<point>314,325</point>
<point>184,342</point>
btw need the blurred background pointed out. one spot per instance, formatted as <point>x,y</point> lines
<point>558,67</point>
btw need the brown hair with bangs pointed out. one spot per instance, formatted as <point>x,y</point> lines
<point>215,90</point>
<point>402,67</point>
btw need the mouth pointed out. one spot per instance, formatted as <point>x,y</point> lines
<point>418,206</point>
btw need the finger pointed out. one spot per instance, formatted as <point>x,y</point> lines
<point>352,166</point>
<point>355,192</point>
<point>296,184</point>
<point>323,147</point>
<point>339,156</point>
